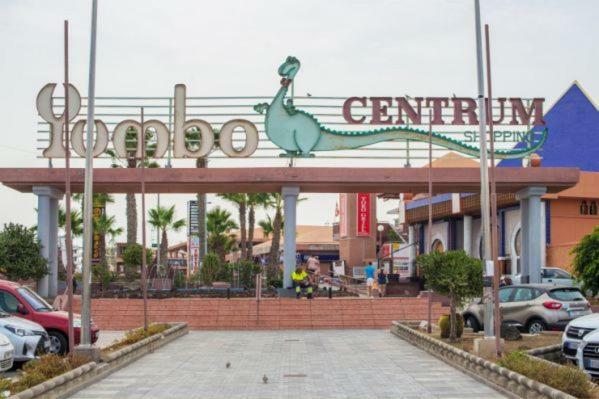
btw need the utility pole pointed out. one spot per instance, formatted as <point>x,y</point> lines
<point>429,327</point>
<point>485,211</point>
<point>67,191</point>
<point>86,346</point>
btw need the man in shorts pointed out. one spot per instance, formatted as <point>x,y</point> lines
<point>369,274</point>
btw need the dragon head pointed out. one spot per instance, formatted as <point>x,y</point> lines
<point>289,68</point>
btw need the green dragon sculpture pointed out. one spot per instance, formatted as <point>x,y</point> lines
<point>299,133</point>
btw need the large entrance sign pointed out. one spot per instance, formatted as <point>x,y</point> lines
<point>291,128</point>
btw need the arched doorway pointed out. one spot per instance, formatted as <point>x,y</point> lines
<point>437,246</point>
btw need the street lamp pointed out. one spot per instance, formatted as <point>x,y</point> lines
<point>380,229</point>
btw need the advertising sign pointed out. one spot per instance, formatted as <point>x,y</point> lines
<point>193,254</point>
<point>97,213</point>
<point>363,214</point>
<point>193,225</point>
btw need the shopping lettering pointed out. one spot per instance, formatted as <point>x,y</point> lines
<point>181,149</point>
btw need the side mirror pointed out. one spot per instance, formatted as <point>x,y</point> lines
<point>21,309</point>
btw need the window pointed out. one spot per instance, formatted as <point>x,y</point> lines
<point>8,302</point>
<point>505,294</point>
<point>593,208</point>
<point>584,208</point>
<point>561,274</point>
<point>34,300</point>
<point>549,273</point>
<point>523,294</point>
<point>566,294</point>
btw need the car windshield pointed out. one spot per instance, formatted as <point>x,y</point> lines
<point>34,300</point>
<point>566,294</point>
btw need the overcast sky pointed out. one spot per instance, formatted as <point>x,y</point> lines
<point>348,47</point>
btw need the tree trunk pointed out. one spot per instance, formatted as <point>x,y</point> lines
<point>452,320</point>
<point>251,224</point>
<point>201,198</point>
<point>242,230</point>
<point>131,211</point>
<point>164,251</point>
<point>276,238</point>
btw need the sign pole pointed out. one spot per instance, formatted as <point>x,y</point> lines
<point>494,226</point>
<point>429,327</point>
<point>484,174</point>
<point>144,285</point>
<point>67,191</point>
<point>88,190</point>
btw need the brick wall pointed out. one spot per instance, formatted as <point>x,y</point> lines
<point>271,314</point>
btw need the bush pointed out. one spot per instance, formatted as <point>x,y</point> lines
<point>20,257</point>
<point>568,379</point>
<point>211,269</point>
<point>136,335</point>
<point>586,261</point>
<point>247,271</point>
<point>444,326</point>
<point>132,258</point>
<point>48,366</point>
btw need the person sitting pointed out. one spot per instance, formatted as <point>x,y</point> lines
<point>301,281</point>
<point>314,268</point>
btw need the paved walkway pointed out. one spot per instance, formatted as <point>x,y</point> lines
<point>299,364</point>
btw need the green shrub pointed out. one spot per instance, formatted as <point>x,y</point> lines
<point>37,371</point>
<point>179,279</point>
<point>445,326</point>
<point>211,269</point>
<point>568,379</point>
<point>20,250</point>
<point>133,336</point>
<point>132,258</point>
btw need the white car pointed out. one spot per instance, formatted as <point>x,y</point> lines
<point>574,333</point>
<point>557,276</point>
<point>27,337</point>
<point>588,354</point>
<point>7,353</point>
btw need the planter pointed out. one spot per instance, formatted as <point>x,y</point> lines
<point>506,381</point>
<point>68,383</point>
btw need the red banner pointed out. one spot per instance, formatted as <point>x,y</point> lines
<point>363,217</point>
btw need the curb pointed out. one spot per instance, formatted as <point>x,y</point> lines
<point>68,383</point>
<point>499,378</point>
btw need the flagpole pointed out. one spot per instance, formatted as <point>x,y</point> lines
<point>88,191</point>
<point>67,190</point>
<point>494,227</point>
<point>484,174</point>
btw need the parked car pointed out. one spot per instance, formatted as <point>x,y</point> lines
<point>588,354</point>
<point>575,331</point>
<point>7,353</point>
<point>27,337</point>
<point>23,302</point>
<point>557,276</point>
<point>537,307</point>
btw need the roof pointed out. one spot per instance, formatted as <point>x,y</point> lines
<point>306,236</point>
<point>573,133</point>
<point>454,160</point>
<point>258,235</point>
<point>587,187</point>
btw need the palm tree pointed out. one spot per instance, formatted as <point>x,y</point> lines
<point>266,226</point>
<point>240,200</point>
<point>132,162</point>
<point>76,231</point>
<point>254,201</point>
<point>276,202</point>
<point>105,225</point>
<point>219,224</point>
<point>163,218</point>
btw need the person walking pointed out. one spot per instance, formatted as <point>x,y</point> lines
<point>381,277</point>
<point>369,274</point>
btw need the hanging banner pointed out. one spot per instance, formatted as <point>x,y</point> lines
<point>363,216</point>
<point>193,254</point>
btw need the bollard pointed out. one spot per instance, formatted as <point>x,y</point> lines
<point>330,292</point>
<point>228,293</point>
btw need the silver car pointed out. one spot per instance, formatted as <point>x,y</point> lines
<point>28,338</point>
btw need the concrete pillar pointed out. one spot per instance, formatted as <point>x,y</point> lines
<point>532,217</point>
<point>412,251</point>
<point>467,234</point>
<point>47,232</point>
<point>290,195</point>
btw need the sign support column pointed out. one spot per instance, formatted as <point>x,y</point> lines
<point>290,195</point>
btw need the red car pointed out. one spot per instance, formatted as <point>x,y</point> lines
<point>21,301</point>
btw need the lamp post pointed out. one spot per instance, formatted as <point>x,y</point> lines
<point>380,229</point>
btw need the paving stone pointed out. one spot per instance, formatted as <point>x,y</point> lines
<point>336,363</point>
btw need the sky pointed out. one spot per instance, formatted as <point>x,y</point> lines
<point>347,47</point>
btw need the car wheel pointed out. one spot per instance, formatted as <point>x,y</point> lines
<point>536,326</point>
<point>58,343</point>
<point>472,323</point>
